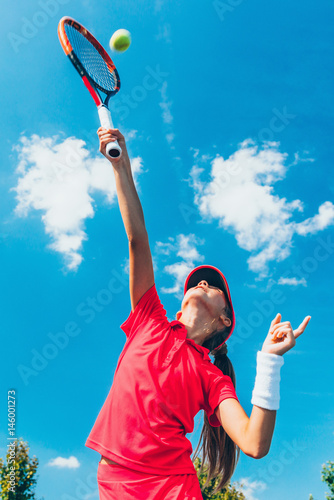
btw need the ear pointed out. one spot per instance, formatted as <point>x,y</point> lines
<point>178,315</point>
<point>226,322</point>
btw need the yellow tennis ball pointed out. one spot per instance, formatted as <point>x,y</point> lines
<point>120,41</point>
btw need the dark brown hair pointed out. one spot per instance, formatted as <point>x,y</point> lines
<point>220,454</point>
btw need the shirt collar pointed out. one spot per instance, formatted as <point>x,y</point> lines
<point>203,350</point>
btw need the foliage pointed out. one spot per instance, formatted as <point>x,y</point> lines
<point>230,492</point>
<point>18,474</point>
<point>327,476</point>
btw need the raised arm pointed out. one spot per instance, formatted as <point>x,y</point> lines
<point>141,267</point>
<point>254,435</point>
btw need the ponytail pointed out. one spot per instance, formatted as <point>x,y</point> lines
<point>220,454</point>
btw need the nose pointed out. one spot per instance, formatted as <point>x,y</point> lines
<point>203,282</point>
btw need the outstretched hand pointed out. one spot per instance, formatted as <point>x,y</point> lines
<point>281,337</point>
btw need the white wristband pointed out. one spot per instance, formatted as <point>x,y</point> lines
<point>266,392</point>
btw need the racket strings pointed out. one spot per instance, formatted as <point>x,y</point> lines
<point>91,60</point>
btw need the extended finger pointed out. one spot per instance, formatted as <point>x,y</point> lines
<point>298,331</point>
<point>275,320</point>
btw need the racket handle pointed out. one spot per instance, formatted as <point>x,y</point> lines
<point>113,149</point>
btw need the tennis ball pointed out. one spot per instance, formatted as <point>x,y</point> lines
<point>120,41</point>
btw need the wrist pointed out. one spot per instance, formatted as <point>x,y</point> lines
<point>120,165</point>
<point>270,353</point>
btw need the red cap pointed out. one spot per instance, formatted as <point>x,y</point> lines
<point>216,278</point>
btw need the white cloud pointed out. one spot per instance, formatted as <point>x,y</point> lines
<point>302,158</point>
<point>166,104</point>
<point>240,195</point>
<point>251,487</point>
<point>167,117</point>
<point>130,134</point>
<point>170,137</point>
<point>59,178</point>
<point>126,266</point>
<point>292,281</point>
<point>183,246</point>
<point>323,219</point>
<point>64,463</point>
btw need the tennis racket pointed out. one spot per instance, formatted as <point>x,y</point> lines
<point>96,69</point>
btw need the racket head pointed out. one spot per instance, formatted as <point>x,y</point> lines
<point>89,58</point>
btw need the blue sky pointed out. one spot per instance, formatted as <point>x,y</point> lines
<point>228,112</point>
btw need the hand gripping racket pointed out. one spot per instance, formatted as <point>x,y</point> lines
<point>96,69</point>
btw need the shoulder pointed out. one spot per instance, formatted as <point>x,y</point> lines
<point>149,308</point>
<point>212,374</point>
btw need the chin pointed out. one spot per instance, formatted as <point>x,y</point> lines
<point>193,295</point>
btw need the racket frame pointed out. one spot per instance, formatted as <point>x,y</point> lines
<point>113,149</point>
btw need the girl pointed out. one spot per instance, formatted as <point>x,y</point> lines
<point>165,376</point>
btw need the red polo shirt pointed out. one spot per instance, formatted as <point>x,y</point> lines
<point>162,380</point>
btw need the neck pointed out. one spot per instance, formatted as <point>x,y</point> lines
<point>198,328</point>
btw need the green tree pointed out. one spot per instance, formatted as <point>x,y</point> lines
<point>18,474</point>
<point>230,492</point>
<point>327,476</point>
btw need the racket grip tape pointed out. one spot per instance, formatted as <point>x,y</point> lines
<point>113,149</point>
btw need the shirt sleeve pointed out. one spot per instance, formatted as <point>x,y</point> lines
<point>148,308</point>
<point>217,388</point>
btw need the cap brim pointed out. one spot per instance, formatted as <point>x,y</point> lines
<point>207,274</point>
<point>214,277</point>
